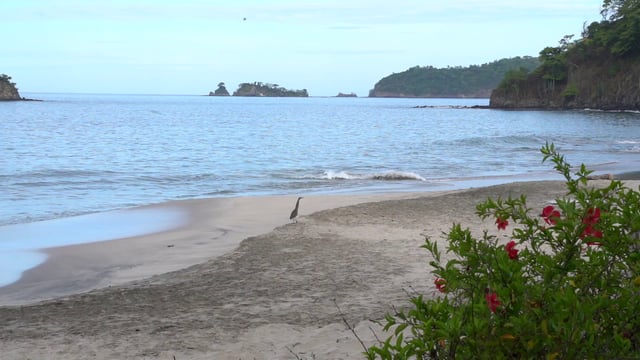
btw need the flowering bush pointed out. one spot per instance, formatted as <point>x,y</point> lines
<point>567,286</point>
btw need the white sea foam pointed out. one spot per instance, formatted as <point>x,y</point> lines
<point>383,176</point>
<point>339,175</point>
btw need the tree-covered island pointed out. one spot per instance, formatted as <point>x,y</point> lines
<point>260,89</point>
<point>266,89</point>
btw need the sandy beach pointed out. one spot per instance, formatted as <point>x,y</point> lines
<point>241,281</point>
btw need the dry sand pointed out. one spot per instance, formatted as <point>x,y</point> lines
<point>201,292</point>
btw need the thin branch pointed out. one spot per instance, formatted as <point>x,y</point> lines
<point>375,335</point>
<point>293,353</point>
<point>344,319</point>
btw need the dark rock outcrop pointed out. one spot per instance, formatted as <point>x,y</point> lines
<point>8,89</point>
<point>221,91</point>
<point>347,95</point>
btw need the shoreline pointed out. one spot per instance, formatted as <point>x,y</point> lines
<point>215,226</point>
<point>226,221</point>
<point>284,292</point>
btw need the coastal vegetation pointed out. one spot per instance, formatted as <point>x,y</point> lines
<point>8,89</point>
<point>600,70</point>
<point>560,282</point>
<point>472,81</point>
<point>266,89</point>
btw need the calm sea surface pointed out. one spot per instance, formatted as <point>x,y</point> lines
<point>68,164</point>
<point>76,154</point>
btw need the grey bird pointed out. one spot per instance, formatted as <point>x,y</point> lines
<point>294,213</point>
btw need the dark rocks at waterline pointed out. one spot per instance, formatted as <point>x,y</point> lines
<point>21,99</point>
<point>451,107</point>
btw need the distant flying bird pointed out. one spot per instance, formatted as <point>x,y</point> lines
<point>294,213</point>
<point>244,19</point>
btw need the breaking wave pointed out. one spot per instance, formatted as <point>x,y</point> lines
<point>384,176</point>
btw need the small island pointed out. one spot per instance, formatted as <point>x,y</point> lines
<point>259,89</point>
<point>269,90</point>
<point>221,91</point>
<point>352,94</point>
<point>8,89</point>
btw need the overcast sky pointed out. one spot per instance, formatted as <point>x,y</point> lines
<point>326,47</point>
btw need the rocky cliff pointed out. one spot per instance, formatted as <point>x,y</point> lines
<point>8,89</point>
<point>601,70</point>
<point>603,83</point>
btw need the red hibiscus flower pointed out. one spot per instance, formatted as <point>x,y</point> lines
<point>591,219</point>
<point>492,301</point>
<point>593,216</point>
<point>511,250</point>
<point>502,223</point>
<point>550,215</point>
<point>441,284</point>
<point>590,231</point>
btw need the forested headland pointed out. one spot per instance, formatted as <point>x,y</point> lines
<point>600,70</point>
<point>474,81</point>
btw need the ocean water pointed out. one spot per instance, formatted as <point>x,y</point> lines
<point>79,154</point>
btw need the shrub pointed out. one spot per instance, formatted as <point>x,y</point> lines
<point>566,286</point>
<point>570,92</point>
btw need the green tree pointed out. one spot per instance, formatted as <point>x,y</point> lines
<point>7,80</point>
<point>514,80</point>
<point>554,66</point>
<point>617,9</point>
<point>619,32</point>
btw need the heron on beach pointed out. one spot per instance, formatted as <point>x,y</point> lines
<point>294,213</point>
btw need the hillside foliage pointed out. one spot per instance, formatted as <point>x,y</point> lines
<point>598,70</point>
<point>6,79</point>
<point>470,81</point>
